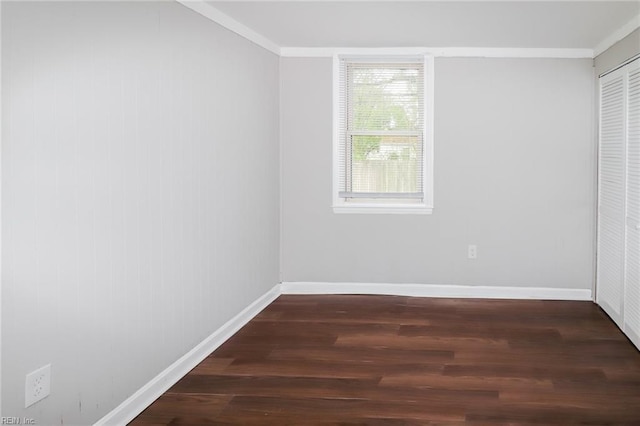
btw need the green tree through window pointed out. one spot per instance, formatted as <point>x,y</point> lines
<point>384,127</point>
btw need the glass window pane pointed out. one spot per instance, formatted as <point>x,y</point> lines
<point>385,98</point>
<point>386,164</point>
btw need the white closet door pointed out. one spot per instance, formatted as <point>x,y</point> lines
<point>632,267</point>
<point>611,208</point>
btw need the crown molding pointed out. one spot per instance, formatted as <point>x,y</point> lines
<point>617,35</point>
<point>508,52</point>
<point>215,15</point>
<point>410,1</point>
<point>446,52</point>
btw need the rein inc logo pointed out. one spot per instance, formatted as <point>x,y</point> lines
<point>17,421</point>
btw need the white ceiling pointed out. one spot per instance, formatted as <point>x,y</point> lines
<point>501,24</point>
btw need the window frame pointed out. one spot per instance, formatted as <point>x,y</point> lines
<point>389,205</point>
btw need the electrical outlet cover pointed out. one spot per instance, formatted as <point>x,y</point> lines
<point>37,385</point>
<point>472,252</point>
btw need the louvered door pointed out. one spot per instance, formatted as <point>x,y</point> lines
<point>611,208</point>
<point>632,256</point>
<point>618,280</point>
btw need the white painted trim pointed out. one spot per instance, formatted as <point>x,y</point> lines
<point>383,209</point>
<point>617,35</point>
<point>335,118</point>
<point>426,206</point>
<point>215,15</point>
<point>491,52</point>
<point>633,336</point>
<point>411,1</point>
<point>445,52</point>
<point>280,176</point>
<point>595,135</point>
<point>141,399</point>
<point>437,290</point>
<point>428,163</point>
<point>1,151</point>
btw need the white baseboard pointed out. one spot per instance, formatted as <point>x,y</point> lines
<point>141,399</point>
<point>633,336</point>
<point>437,290</point>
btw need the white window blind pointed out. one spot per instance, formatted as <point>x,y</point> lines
<point>381,130</point>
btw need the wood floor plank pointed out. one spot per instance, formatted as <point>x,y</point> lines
<point>276,386</point>
<point>584,375</point>
<point>553,414</point>
<point>439,381</point>
<point>211,365</point>
<point>171,407</point>
<point>422,342</point>
<point>325,369</point>
<point>294,410</point>
<point>461,328</point>
<point>355,355</point>
<point>386,360</point>
<point>294,387</point>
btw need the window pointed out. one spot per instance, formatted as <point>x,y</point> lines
<point>383,160</point>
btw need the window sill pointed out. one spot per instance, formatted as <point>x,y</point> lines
<point>383,209</point>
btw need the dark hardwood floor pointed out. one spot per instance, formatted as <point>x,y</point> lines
<point>385,360</point>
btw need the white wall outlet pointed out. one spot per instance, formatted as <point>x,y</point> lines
<point>472,252</point>
<point>37,385</point>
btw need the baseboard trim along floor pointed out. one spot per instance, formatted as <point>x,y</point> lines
<point>437,290</point>
<point>142,398</point>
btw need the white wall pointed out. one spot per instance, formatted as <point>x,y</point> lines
<point>514,174</point>
<point>140,198</point>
